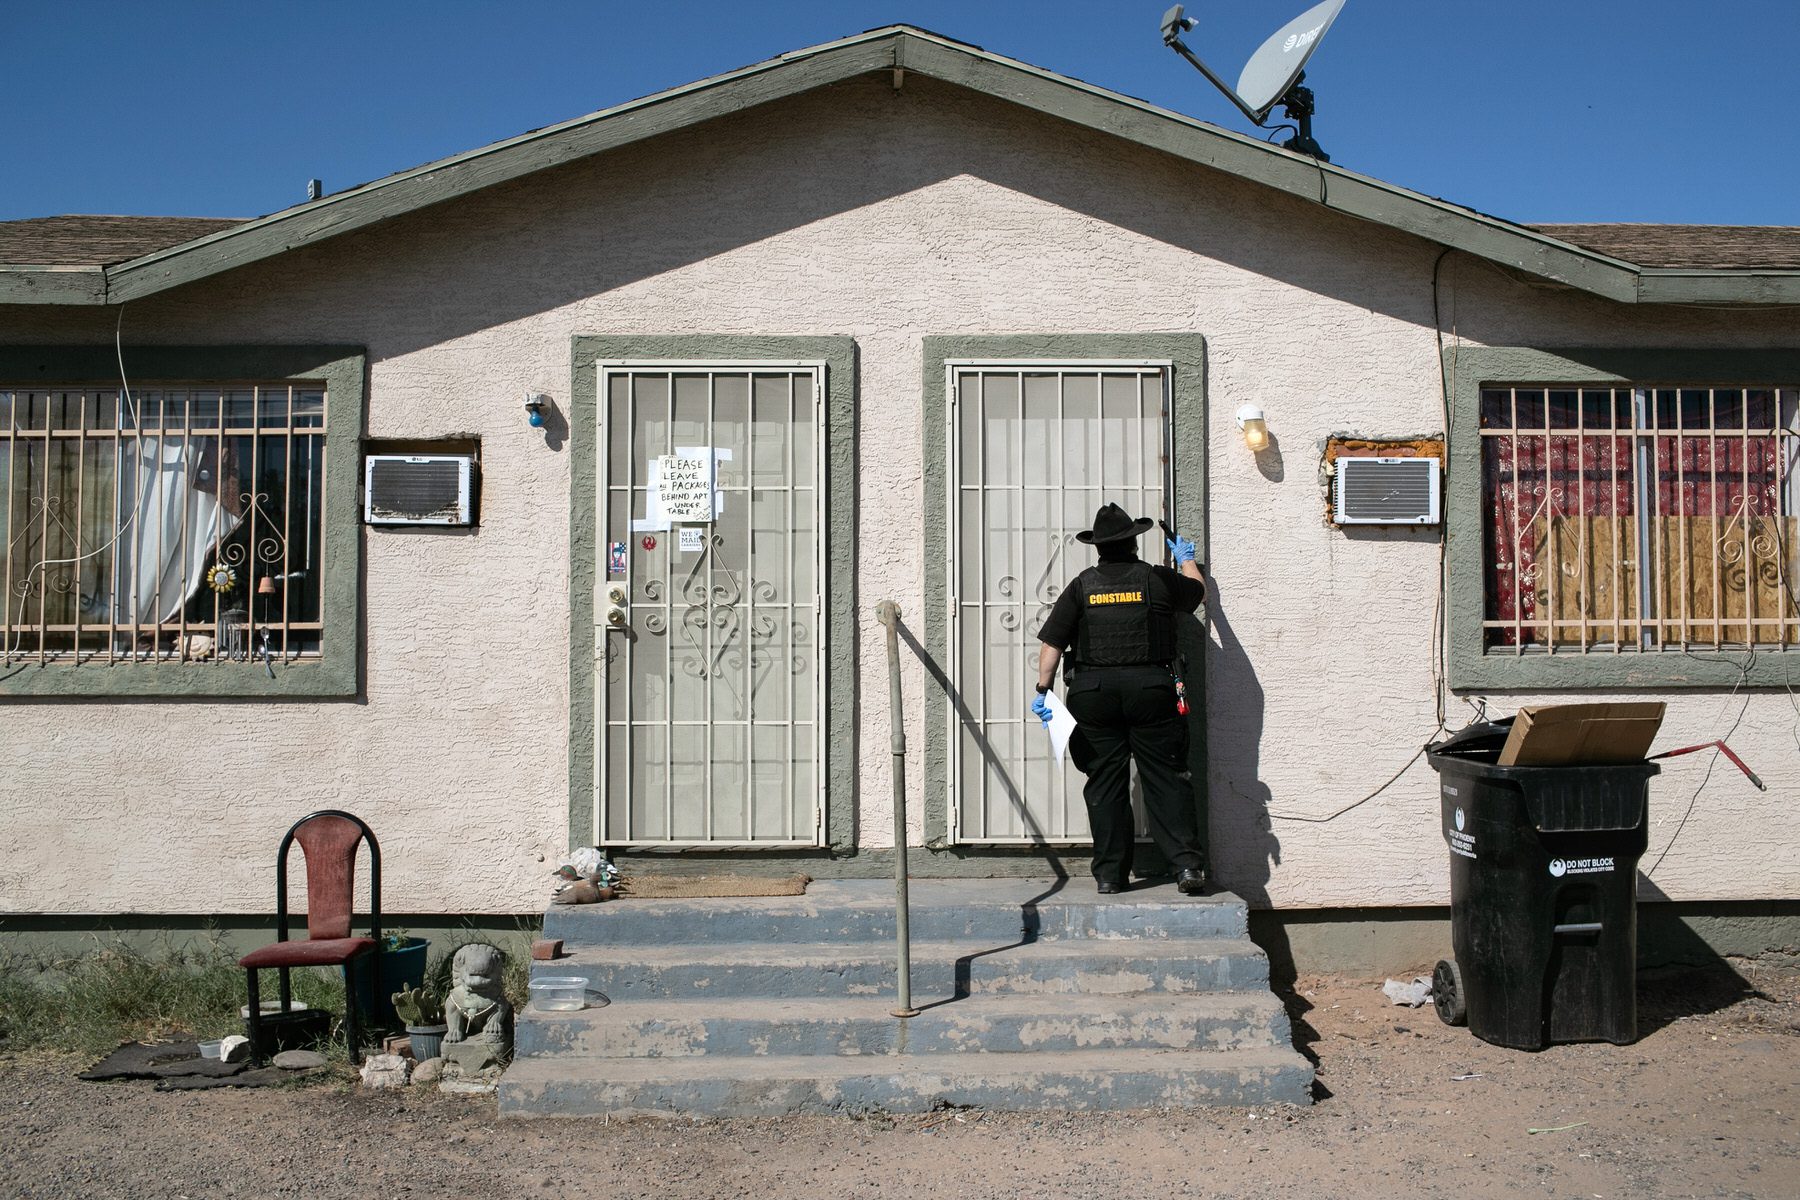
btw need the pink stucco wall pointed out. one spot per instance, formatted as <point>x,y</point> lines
<point>887,217</point>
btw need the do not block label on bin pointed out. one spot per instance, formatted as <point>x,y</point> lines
<point>1580,866</point>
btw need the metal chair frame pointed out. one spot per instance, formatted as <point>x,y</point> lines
<point>352,1026</point>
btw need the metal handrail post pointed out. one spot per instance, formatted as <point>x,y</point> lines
<point>888,613</point>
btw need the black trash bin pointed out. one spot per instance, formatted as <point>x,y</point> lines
<point>1543,894</point>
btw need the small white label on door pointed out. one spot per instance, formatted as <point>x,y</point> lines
<point>692,541</point>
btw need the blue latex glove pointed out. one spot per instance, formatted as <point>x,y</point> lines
<point>1181,550</point>
<point>1040,709</point>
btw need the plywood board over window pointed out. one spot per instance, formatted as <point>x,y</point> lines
<point>1638,518</point>
<point>1622,517</point>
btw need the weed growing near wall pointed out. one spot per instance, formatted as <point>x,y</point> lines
<point>114,993</point>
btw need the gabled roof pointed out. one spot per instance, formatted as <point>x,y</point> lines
<point>901,48</point>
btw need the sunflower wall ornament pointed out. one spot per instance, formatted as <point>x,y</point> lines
<point>221,578</point>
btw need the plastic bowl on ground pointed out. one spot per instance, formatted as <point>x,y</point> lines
<point>559,993</point>
<point>211,1049</point>
<point>271,1008</point>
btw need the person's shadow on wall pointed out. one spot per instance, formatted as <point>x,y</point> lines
<point>1241,839</point>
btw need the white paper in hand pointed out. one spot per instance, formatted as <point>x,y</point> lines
<point>1062,725</point>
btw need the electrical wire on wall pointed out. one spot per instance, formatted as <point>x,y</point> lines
<point>1447,372</point>
<point>1743,678</point>
<point>145,478</point>
<point>1438,688</point>
<point>1744,671</point>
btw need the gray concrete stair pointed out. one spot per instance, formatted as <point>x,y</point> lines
<point>862,910</point>
<point>1085,1080</point>
<point>1033,995</point>
<point>939,969</point>
<point>998,1024</point>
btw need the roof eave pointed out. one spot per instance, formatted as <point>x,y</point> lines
<point>1687,286</point>
<point>28,284</point>
<point>1333,187</point>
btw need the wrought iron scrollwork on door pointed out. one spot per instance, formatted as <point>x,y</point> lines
<point>1044,592</point>
<point>721,629</point>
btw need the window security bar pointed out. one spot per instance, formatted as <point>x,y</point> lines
<point>1656,518</point>
<point>167,525</point>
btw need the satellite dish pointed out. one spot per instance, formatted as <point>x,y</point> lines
<point>1274,73</point>
<point>1278,64</point>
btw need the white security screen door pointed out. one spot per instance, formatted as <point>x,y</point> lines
<point>711,589</point>
<point>1033,449</point>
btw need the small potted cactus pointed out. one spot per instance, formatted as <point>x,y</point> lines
<point>423,1014</point>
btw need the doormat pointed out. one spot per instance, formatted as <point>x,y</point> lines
<point>686,887</point>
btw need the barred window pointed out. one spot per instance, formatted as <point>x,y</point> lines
<point>162,523</point>
<point>1640,519</point>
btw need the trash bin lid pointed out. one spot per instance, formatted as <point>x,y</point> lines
<point>1557,799</point>
<point>1480,742</point>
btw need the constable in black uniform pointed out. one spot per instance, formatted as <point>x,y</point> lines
<point>1117,620</point>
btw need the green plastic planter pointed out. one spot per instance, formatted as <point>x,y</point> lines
<point>402,967</point>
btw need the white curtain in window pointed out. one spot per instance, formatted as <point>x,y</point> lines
<point>171,517</point>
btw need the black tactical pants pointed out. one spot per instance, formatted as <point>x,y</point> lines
<point>1122,714</point>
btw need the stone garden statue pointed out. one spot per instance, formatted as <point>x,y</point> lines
<point>479,1039</point>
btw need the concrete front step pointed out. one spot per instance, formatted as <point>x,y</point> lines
<point>862,910</point>
<point>940,970</point>
<point>998,1023</point>
<point>1035,995</point>
<point>1087,1080</point>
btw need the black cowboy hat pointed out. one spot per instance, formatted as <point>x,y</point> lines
<point>1113,524</point>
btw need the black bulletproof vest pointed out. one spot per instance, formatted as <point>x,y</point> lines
<point>1126,618</point>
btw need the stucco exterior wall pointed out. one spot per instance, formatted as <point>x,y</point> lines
<point>886,217</point>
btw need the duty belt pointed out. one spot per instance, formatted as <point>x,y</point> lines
<point>1148,666</point>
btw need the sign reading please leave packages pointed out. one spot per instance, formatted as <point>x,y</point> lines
<point>687,488</point>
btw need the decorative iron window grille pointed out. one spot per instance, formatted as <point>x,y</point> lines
<point>1640,519</point>
<point>162,523</point>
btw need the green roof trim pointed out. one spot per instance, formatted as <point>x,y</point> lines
<point>904,48</point>
<point>52,285</point>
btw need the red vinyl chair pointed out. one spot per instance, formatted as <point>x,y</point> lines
<point>330,840</point>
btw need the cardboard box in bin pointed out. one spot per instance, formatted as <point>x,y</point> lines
<point>1582,735</point>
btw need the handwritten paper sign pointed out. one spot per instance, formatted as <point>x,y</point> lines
<point>686,488</point>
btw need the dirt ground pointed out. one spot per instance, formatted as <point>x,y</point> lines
<point>1703,1105</point>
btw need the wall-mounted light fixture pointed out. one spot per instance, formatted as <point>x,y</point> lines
<point>535,403</point>
<point>1256,430</point>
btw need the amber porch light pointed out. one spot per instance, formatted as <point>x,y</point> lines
<point>1256,429</point>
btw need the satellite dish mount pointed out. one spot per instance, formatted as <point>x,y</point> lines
<point>1274,73</point>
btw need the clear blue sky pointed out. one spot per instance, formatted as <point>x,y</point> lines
<point>1534,110</point>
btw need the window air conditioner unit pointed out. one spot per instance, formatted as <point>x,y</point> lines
<point>1387,491</point>
<point>418,489</point>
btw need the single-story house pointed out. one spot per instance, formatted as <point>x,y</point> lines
<point>543,497</point>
